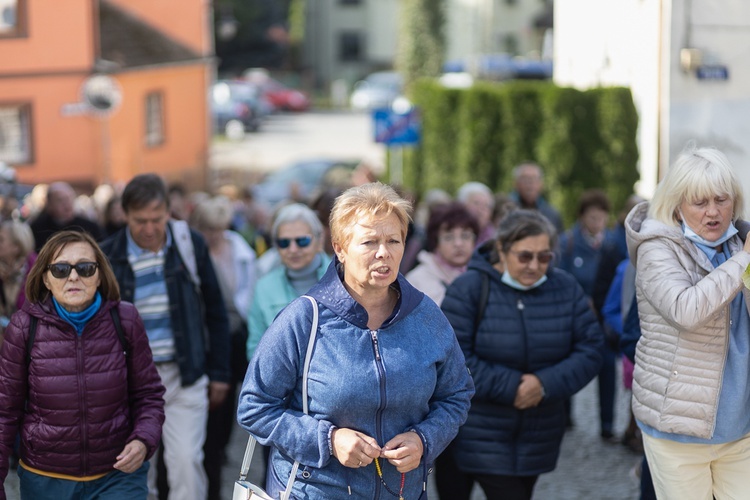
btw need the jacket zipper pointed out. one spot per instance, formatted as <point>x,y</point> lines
<point>521,307</point>
<point>381,407</point>
<point>82,402</point>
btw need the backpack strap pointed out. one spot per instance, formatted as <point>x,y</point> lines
<point>183,241</point>
<point>30,340</point>
<point>115,313</point>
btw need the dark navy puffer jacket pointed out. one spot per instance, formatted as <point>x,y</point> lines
<point>80,401</point>
<point>550,331</point>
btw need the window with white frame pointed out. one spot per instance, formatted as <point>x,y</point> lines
<point>12,18</point>
<point>154,119</point>
<point>15,133</point>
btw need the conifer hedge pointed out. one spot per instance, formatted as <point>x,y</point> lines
<point>582,139</point>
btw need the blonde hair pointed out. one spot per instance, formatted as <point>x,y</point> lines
<point>696,174</point>
<point>212,213</point>
<point>364,203</point>
<point>22,236</point>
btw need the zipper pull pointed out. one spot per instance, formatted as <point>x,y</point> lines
<point>374,336</point>
<point>520,305</point>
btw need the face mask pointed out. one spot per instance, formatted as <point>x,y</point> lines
<point>511,282</point>
<point>692,236</point>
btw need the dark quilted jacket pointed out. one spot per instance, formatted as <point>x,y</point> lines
<point>79,402</point>
<point>550,331</point>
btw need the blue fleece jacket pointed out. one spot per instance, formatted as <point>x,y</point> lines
<point>409,374</point>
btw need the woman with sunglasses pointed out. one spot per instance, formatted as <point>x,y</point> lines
<point>387,386</point>
<point>531,340</point>
<point>78,382</point>
<point>298,237</point>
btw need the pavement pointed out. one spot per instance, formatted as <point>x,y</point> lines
<point>286,138</point>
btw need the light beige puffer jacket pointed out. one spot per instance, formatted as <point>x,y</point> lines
<point>683,304</point>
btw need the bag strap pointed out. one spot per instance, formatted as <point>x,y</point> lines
<point>30,340</point>
<point>483,298</point>
<point>183,241</point>
<point>120,334</point>
<point>251,441</point>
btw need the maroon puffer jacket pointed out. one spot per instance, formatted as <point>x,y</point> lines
<point>79,403</point>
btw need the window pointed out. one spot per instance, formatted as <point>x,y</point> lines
<point>350,46</point>
<point>15,133</point>
<point>12,18</point>
<point>154,119</point>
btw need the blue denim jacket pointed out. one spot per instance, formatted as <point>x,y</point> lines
<point>409,374</point>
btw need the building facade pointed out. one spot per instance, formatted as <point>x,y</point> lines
<point>684,61</point>
<point>95,91</point>
<point>347,39</point>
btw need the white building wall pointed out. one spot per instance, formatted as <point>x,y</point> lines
<point>614,43</point>
<point>463,28</point>
<point>712,112</point>
<point>637,43</point>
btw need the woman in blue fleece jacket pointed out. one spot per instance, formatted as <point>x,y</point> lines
<point>388,386</point>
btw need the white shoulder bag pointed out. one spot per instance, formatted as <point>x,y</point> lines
<point>245,490</point>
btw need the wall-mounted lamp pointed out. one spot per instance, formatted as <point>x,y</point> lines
<point>690,59</point>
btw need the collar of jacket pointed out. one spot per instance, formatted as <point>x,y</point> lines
<point>332,294</point>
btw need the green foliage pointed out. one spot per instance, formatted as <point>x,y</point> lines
<point>480,141</point>
<point>421,48</point>
<point>582,139</point>
<point>440,129</point>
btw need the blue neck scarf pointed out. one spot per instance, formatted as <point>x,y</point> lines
<point>79,319</point>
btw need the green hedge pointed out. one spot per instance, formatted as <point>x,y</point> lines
<point>582,139</point>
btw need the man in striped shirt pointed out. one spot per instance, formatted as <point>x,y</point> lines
<point>186,323</point>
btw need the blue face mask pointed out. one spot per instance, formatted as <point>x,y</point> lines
<point>693,236</point>
<point>513,283</point>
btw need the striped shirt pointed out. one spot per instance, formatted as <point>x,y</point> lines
<point>151,298</point>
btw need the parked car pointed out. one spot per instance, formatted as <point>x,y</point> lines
<point>377,90</point>
<point>236,108</point>
<point>281,97</point>
<point>304,179</point>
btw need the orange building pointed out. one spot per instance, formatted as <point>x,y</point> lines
<point>95,91</point>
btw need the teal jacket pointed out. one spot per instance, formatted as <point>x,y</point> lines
<point>273,292</point>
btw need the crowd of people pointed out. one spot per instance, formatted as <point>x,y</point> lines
<point>455,330</point>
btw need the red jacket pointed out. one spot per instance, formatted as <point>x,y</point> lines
<point>79,401</point>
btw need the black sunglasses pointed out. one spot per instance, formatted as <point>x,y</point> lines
<point>302,242</point>
<point>83,269</point>
<point>542,257</point>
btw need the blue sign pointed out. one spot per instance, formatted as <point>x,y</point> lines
<point>714,72</point>
<point>393,128</point>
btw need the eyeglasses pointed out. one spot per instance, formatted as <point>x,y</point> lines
<point>83,269</point>
<point>526,257</point>
<point>302,242</point>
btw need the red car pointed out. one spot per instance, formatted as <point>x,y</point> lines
<point>282,98</point>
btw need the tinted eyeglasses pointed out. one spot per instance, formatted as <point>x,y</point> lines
<point>526,257</point>
<point>302,242</point>
<point>83,269</point>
